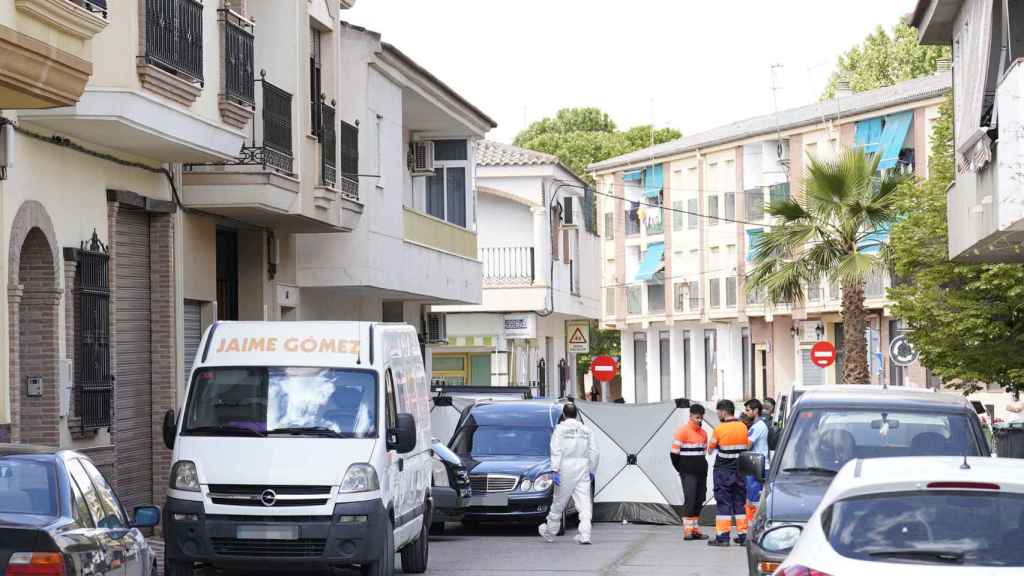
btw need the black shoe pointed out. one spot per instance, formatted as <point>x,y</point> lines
<point>718,543</point>
<point>697,536</point>
<point>740,540</point>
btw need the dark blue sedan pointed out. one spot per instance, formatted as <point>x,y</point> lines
<point>59,516</point>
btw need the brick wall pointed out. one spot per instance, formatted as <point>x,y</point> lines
<point>38,341</point>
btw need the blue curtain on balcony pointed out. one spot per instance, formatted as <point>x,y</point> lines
<point>895,133</point>
<point>653,181</point>
<point>633,176</point>
<point>753,237</point>
<point>652,263</point>
<point>869,135</point>
<point>872,242</point>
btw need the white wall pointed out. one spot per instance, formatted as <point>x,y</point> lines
<point>503,222</point>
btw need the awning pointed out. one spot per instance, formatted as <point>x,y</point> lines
<point>895,133</point>
<point>653,181</point>
<point>653,262</point>
<point>753,238</point>
<point>633,176</point>
<point>869,135</point>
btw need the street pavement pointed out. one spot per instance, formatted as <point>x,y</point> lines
<point>618,550</point>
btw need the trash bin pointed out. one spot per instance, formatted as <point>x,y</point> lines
<point>1010,440</point>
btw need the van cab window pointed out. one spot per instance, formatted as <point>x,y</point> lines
<point>823,440</point>
<point>282,401</point>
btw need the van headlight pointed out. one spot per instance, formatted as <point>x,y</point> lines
<point>440,474</point>
<point>184,476</point>
<point>360,478</point>
<point>542,483</point>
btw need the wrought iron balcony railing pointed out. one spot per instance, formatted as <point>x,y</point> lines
<point>97,7</point>
<point>328,146</point>
<point>239,59</point>
<point>174,36</point>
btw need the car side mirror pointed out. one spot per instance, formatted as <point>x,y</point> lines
<point>403,438</point>
<point>170,429</point>
<point>781,539</point>
<point>752,464</point>
<point>146,517</point>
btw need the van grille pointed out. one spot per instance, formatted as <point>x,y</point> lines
<point>310,548</point>
<point>284,496</point>
<point>490,483</point>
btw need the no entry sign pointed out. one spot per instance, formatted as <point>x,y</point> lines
<point>604,368</point>
<point>823,354</point>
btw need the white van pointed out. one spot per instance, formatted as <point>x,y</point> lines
<point>301,444</point>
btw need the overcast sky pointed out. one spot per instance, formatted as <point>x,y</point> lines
<point>689,64</point>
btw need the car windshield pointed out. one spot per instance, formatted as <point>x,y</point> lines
<point>955,527</point>
<point>27,487</point>
<point>254,401</point>
<point>483,441</point>
<point>825,439</point>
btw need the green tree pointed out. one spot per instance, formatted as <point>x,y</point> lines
<point>581,136</point>
<point>885,59</point>
<point>967,319</point>
<point>830,231</point>
<point>602,343</point>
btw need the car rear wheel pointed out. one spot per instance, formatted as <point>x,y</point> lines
<point>417,553</point>
<point>177,568</point>
<point>384,564</point>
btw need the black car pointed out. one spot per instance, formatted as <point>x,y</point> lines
<point>506,446</point>
<point>449,487</point>
<point>831,425</point>
<point>59,516</point>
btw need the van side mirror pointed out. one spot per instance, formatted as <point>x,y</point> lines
<point>170,429</point>
<point>403,438</point>
<point>752,464</point>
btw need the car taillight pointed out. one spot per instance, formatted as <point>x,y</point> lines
<point>799,571</point>
<point>35,564</point>
<point>963,486</point>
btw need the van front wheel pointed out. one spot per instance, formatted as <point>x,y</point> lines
<point>384,564</point>
<point>416,554</point>
<point>176,568</point>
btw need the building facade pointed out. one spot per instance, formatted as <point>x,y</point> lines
<point>678,221</point>
<point>986,205</point>
<point>540,256</point>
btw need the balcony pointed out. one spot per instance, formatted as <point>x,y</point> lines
<point>238,81</point>
<point>328,147</point>
<point>508,266</point>
<point>655,225</point>
<point>632,223</point>
<point>986,206</point>
<point>634,300</point>
<point>430,232</point>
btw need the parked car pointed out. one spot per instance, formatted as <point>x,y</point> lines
<point>944,515</point>
<point>831,425</point>
<point>59,516</point>
<point>506,446</point>
<point>301,442</point>
<point>450,487</point>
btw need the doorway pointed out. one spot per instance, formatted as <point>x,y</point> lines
<point>227,274</point>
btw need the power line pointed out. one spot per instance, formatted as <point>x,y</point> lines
<point>682,211</point>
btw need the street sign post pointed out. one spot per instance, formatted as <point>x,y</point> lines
<point>604,368</point>
<point>579,338</point>
<point>901,351</point>
<point>823,354</point>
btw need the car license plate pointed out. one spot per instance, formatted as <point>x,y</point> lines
<point>268,533</point>
<point>489,500</point>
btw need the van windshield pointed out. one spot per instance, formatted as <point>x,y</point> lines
<point>280,401</point>
<point>825,439</point>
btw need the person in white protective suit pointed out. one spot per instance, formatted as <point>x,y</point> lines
<point>573,463</point>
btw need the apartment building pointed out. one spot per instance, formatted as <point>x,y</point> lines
<point>678,220</point>
<point>540,254</point>
<point>102,102</point>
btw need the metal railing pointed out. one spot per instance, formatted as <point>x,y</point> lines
<point>655,226</point>
<point>277,128</point>
<point>93,377</point>
<point>632,223</point>
<point>97,7</point>
<point>349,160</point>
<point>239,59</point>
<point>328,146</point>
<point>508,266</point>
<point>174,36</point>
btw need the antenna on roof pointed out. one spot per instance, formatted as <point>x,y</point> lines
<point>965,465</point>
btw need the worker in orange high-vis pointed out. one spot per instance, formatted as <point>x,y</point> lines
<point>730,440</point>
<point>689,457</point>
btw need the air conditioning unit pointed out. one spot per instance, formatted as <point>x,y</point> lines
<point>421,159</point>
<point>437,331</point>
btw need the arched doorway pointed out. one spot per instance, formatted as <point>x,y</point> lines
<point>33,299</point>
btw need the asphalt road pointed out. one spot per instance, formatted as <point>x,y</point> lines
<point>618,550</point>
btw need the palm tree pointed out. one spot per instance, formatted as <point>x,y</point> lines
<point>834,230</point>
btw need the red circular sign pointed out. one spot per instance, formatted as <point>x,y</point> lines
<point>604,368</point>
<point>823,354</point>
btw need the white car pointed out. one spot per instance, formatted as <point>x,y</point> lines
<point>925,515</point>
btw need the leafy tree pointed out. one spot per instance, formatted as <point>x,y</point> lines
<point>967,319</point>
<point>581,136</point>
<point>830,231</point>
<point>602,343</point>
<point>884,60</point>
